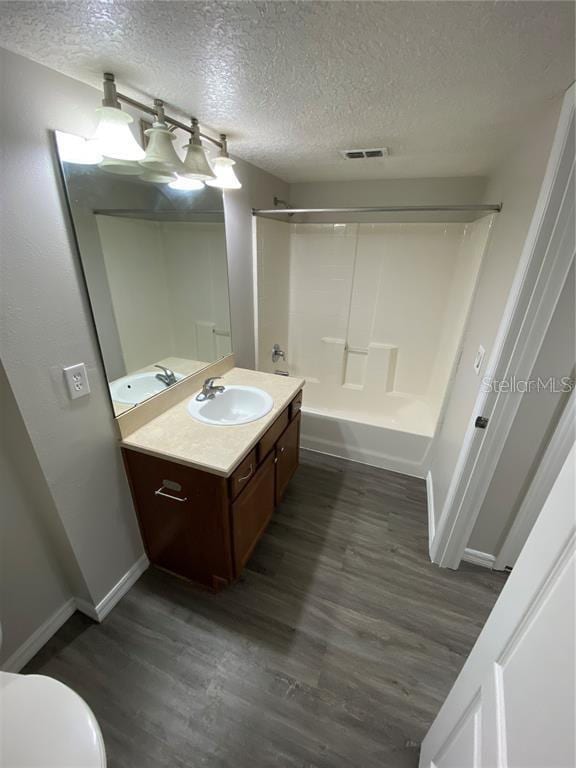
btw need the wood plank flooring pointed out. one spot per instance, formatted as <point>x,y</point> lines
<point>335,650</point>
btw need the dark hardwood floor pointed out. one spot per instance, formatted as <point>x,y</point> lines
<point>335,650</point>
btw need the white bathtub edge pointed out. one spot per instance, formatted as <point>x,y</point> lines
<point>362,456</point>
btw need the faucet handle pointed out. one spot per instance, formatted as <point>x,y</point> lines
<point>211,380</point>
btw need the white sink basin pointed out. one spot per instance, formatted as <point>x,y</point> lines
<point>135,387</point>
<point>236,405</point>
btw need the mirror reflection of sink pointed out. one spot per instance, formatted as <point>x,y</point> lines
<point>135,387</point>
<point>236,405</point>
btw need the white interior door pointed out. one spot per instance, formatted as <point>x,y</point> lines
<point>513,704</point>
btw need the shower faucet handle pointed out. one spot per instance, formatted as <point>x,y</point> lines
<point>277,353</point>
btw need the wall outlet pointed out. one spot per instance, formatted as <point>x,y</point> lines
<point>479,358</point>
<point>77,380</point>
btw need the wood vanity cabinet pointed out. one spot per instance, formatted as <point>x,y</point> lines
<point>202,526</point>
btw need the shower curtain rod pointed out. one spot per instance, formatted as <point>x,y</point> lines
<point>380,209</point>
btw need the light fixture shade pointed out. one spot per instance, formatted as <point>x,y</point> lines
<point>184,184</point>
<point>158,177</point>
<point>77,149</point>
<point>113,138</point>
<point>225,175</point>
<point>161,156</point>
<point>121,167</point>
<point>196,163</point>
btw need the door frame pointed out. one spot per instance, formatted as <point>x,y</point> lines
<point>546,258</point>
<point>553,459</point>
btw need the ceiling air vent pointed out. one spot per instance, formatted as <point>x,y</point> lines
<point>364,154</point>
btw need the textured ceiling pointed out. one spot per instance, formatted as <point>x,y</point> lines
<point>445,85</point>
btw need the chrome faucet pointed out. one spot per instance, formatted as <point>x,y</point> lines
<point>209,391</point>
<point>277,353</point>
<point>168,377</point>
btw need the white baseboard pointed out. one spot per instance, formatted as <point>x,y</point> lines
<point>431,518</point>
<point>102,609</point>
<point>98,612</point>
<point>40,637</point>
<point>479,558</point>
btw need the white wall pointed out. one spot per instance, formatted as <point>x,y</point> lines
<point>516,184</point>
<point>458,303</point>
<point>46,325</point>
<point>531,430</point>
<point>437,191</point>
<point>37,570</point>
<point>258,191</point>
<point>273,286</point>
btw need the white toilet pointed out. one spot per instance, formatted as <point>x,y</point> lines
<point>45,724</point>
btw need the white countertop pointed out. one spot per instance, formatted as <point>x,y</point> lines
<point>174,435</point>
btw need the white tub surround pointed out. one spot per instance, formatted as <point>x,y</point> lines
<point>372,315</point>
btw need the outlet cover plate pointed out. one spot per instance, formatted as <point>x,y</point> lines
<point>76,380</point>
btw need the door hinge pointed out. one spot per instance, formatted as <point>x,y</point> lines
<point>481,422</point>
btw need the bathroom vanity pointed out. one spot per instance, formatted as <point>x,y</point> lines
<point>204,494</point>
<point>156,271</point>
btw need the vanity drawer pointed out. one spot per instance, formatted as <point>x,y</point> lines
<point>296,405</point>
<point>268,441</point>
<point>241,476</point>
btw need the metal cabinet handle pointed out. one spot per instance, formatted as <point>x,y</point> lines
<point>241,479</point>
<point>162,492</point>
<point>282,448</point>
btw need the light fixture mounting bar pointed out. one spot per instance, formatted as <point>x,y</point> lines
<point>170,120</point>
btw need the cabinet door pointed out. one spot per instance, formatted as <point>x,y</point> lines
<point>251,512</point>
<point>287,455</point>
<point>183,516</point>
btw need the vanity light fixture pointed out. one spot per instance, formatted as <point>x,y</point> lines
<point>113,138</point>
<point>158,177</point>
<point>196,162</point>
<point>223,168</point>
<point>160,155</point>
<point>184,184</point>
<point>114,148</point>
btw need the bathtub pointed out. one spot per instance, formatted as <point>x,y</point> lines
<point>397,437</point>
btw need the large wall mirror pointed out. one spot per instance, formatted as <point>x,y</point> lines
<point>154,261</point>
